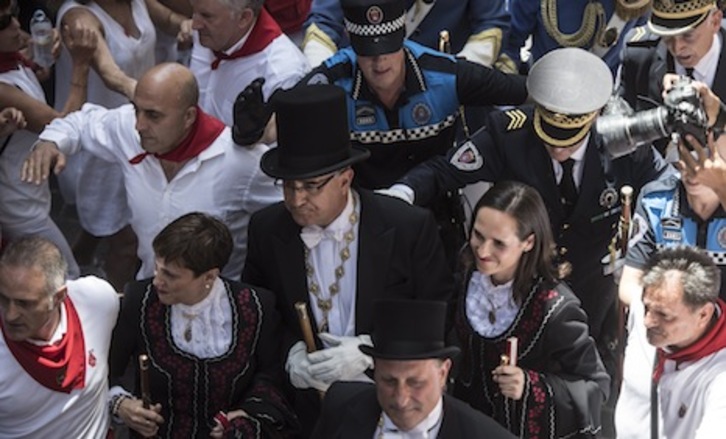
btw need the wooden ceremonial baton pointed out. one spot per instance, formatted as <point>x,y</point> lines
<point>144,375</point>
<point>626,198</point>
<point>305,326</point>
<point>307,330</point>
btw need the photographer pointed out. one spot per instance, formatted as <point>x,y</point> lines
<point>682,37</point>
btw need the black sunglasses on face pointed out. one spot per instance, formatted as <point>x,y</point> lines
<point>6,19</point>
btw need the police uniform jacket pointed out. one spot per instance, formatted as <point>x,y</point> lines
<point>663,218</point>
<point>351,411</point>
<point>462,18</point>
<point>422,123</point>
<point>509,149</point>
<point>646,60</point>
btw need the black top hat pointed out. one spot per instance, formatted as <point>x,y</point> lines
<point>409,330</point>
<point>673,17</point>
<point>312,134</point>
<point>375,27</point>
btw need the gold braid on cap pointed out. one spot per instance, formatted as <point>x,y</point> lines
<point>670,10</point>
<point>629,9</point>
<point>580,122</point>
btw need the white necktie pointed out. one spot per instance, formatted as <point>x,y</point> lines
<point>312,235</point>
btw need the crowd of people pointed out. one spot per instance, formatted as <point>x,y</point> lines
<point>276,187</point>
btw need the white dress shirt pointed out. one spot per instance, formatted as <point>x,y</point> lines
<point>224,180</point>
<point>426,429</point>
<point>325,257</point>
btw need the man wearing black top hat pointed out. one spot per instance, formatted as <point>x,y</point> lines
<point>412,365</point>
<point>684,37</point>
<point>334,248</point>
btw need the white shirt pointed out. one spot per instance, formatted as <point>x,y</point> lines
<point>30,410</point>
<point>325,257</point>
<point>225,180</point>
<point>93,185</point>
<point>691,399</point>
<point>428,428</point>
<point>210,322</point>
<point>483,298</point>
<point>578,156</point>
<point>281,64</point>
<point>632,412</point>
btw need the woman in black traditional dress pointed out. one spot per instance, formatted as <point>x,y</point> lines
<point>214,365</point>
<point>510,289</point>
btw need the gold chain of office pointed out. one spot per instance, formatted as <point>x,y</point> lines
<point>593,22</point>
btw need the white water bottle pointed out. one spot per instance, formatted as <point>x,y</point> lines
<point>42,31</point>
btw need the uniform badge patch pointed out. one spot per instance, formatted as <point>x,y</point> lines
<point>517,118</point>
<point>671,229</point>
<point>318,78</point>
<point>365,115</point>
<point>467,158</point>
<point>608,198</point>
<point>374,14</point>
<point>421,113</point>
<point>721,237</point>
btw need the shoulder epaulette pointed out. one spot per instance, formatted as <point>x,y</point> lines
<point>517,118</point>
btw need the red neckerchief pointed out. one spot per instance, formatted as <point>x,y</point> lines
<point>712,341</point>
<point>60,367</point>
<point>263,32</point>
<point>204,132</point>
<point>12,60</point>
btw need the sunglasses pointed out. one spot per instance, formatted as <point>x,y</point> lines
<point>7,19</point>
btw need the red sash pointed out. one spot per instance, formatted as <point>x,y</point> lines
<point>263,32</point>
<point>712,341</point>
<point>60,367</point>
<point>204,132</point>
<point>12,60</point>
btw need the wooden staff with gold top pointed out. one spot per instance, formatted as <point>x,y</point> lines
<point>626,199</point>
<point>305,326</point>
<point>144,378</point>
<point>307,330</point>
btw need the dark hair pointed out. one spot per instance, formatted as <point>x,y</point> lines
<point>196,241</point>
<point>525,205</point>
<point>40,253</point>
<point>699,275</point>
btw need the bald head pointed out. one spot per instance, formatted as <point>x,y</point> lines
<point>166,106</point>
<point>170,81</point>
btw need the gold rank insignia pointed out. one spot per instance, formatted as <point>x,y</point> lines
<point>517,118</point>
<point>637,34</point>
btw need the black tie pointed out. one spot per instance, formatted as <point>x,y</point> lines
<point>568,190</point>
<point>689,72</point>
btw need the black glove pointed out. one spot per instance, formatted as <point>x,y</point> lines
<point>251,114</point>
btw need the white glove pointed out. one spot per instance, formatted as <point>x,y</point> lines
<point>342,361</point>
<point>400,191</point>
<point>298,369</point>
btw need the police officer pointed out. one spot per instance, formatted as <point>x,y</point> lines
<point>553,147</point>
<point>476,27</point>
<point>403,99</point>
<point>597,26</point>
<point>684,37</point>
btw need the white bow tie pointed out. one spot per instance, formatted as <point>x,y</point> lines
<point>312,235</point>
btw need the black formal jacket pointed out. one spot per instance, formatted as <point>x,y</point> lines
<point>509,149</point>
<point>646,60</point>
<point>351,411</point>
<point>400,255</point>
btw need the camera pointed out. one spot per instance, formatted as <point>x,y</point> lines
<point>682,112</point>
